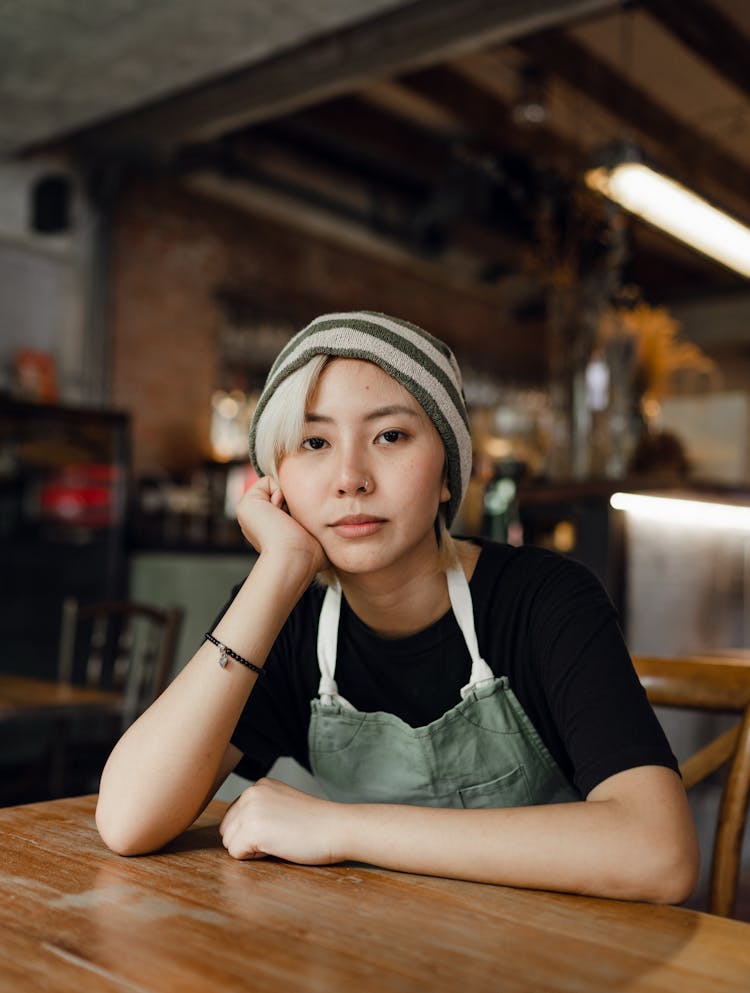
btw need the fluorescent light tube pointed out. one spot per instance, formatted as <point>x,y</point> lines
<point>677,210</point>
<point>673,510</point>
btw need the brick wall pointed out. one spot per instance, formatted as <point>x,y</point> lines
<point>173,250</point>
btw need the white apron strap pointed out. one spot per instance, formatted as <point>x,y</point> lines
<point>328,637</point>
<point>463,610</point>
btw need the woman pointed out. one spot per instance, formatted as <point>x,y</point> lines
<point>469,708</point>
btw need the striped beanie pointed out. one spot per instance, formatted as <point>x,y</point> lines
<point>422,364</point>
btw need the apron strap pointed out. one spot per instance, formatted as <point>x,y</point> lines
<point>463,610</point>
<point>328,636</point>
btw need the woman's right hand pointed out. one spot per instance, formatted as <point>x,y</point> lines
<point>268,526</point>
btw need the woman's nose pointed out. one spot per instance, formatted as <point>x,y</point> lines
<point>353,478</point>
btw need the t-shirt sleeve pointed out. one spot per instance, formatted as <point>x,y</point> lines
<point>604,719</point>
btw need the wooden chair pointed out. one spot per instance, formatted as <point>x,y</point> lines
<point>720,685</point>
<point>121,646</point>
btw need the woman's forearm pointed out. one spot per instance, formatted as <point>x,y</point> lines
<point>633,838</point>
<point>622,846</point>
<point>161,772</point>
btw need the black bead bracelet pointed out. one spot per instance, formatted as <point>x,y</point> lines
<point>227,653</point>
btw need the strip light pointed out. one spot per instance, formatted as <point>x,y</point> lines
<point>677,511</point>
<point>677,210</point>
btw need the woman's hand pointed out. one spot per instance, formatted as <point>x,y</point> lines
<point>270,818</point>
<point>268,526</point>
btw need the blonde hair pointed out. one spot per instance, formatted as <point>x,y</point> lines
<point>281,429</point>
<point>282,426</point>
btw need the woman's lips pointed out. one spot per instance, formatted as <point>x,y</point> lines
<point>357,526</point>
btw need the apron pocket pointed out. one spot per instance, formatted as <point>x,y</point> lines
<point>509,790</point>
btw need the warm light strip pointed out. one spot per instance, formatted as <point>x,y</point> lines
<point>677,210</point>
<point>676,511</point>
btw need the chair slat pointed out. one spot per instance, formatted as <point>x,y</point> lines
<point>703,683</point>
<point>125,646</point>
<point>67,640</point>
<point>718,684</point>
<point>731,828</point>
<point>710,758</point>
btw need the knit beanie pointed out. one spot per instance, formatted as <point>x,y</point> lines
<point>422,364</point>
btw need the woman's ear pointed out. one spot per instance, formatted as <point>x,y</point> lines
<point>445,492</point>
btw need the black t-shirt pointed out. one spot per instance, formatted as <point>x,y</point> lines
<point>542,620</point>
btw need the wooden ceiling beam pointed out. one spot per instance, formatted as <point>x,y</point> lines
<point>369,190</point>
<point>283,163</point>
<point>666,268</point>
<point>410,35</point>
<point>687,154</point>
<point>489,118</point>
<point>710,33</point>
<point>355,130</point>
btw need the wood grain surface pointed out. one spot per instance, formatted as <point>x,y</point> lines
<point>75,917</point>
<point>24,697</point>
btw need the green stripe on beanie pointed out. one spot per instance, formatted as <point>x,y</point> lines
<point>421,363</point>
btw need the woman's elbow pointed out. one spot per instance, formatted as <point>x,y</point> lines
<point>119,832</point>
<point>679,878</point>
<point>670,870</point>
<point>656,857</point>
<point>118,841</point>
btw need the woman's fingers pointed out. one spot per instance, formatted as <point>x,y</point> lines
<point>271,818</point>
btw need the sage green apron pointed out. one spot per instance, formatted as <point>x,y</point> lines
<point>484,752</point>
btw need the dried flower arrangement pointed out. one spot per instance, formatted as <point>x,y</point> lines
<point>661,355</point>
<point>649,337</point>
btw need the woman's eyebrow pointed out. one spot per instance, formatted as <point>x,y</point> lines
<point>396,408</point>
<point>311,417</point>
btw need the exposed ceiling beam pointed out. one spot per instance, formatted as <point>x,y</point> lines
<point>688,155</point>
<point>410,36</point>
<point>426,214</point>
<point>273,159</point>
<point>284,206</point>
<point>667,269</point>
<point>708,31</point>
<point>456,191</point>
<point>353,129</point>
<point>489,118</point>
<point>278,158</point>
<point>491,121</point>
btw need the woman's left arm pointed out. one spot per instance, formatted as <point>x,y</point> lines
<point>632,838</point>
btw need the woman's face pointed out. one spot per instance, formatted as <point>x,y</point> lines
<point>369,476</point>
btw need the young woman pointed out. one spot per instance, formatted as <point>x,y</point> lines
<point>469,708</point>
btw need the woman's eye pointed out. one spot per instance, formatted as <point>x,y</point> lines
<point>314,444</point>
<point>390,437</point>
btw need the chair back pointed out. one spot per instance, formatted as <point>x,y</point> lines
<point>720,685</point>
<point>122,646</point>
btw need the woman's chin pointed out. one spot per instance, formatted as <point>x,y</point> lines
<point>372,555</point>
<point>357,561</point>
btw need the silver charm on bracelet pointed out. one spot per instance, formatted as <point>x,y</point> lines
<point>226,653</point>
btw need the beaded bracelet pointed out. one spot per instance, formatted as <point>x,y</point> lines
<point>227,653</point>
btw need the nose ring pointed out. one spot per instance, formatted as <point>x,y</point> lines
<point>365,484</point>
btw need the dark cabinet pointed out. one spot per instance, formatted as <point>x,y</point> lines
<point>64,483</point>
<point>578,521</point>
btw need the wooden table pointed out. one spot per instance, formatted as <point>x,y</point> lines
<point>74,917</point>
<point>21,696</point>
